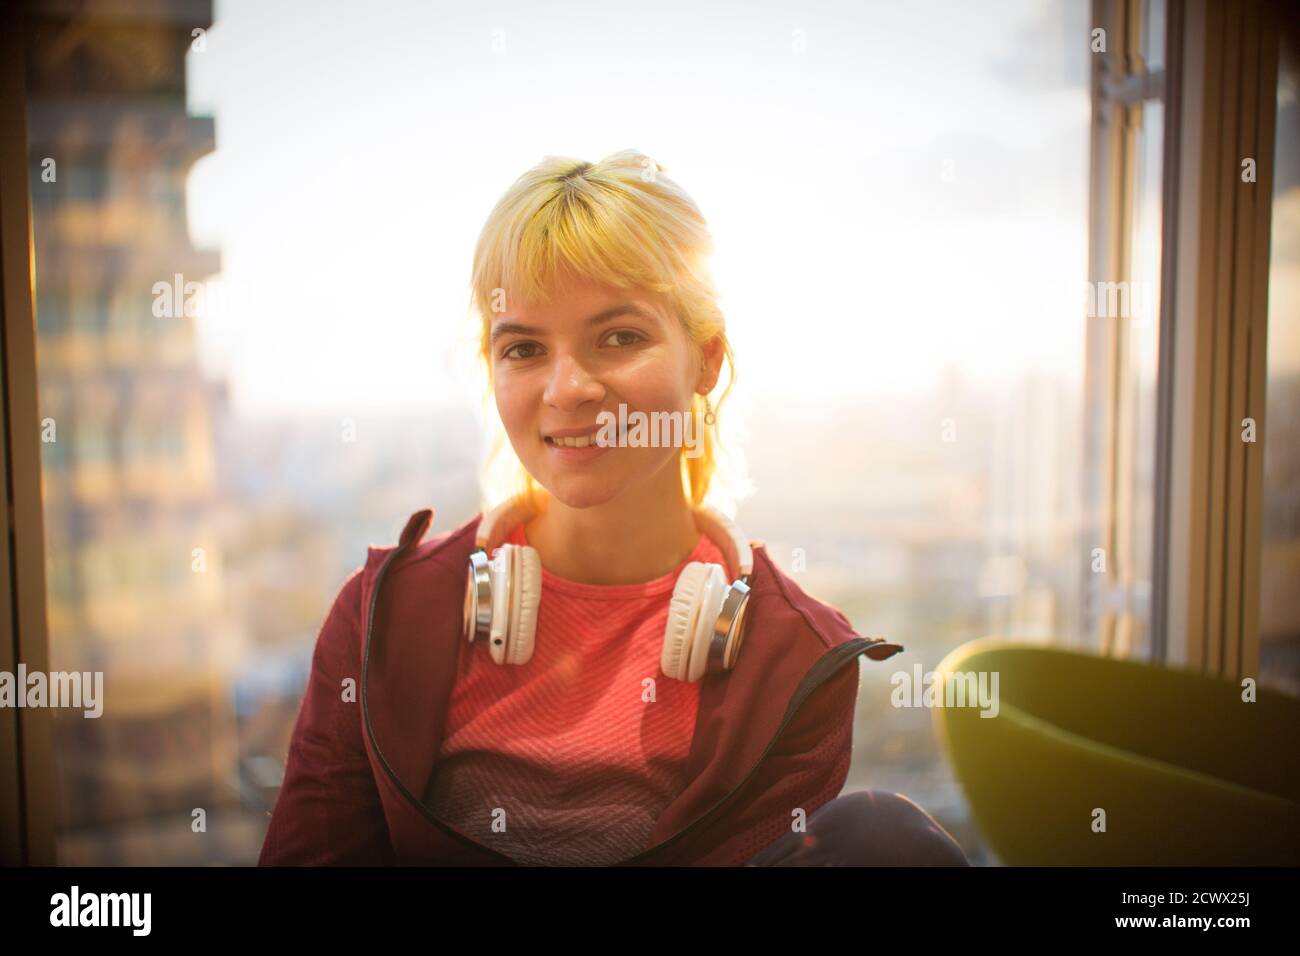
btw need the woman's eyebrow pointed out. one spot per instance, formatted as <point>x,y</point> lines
<point>613,312</point>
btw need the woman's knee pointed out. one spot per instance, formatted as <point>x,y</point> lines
<point>891,830</point>
<point>866,828</point>
<point>878,828</point>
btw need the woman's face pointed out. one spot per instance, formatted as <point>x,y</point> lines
<point>556,367</point>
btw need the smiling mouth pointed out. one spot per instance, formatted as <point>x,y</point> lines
<point>578,450</point>
<point>587,440</point>
<point>579,441</point>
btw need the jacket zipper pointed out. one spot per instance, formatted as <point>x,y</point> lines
<point>825,667</point>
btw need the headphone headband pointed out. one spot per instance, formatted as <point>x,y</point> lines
<point>498,523</point>
<point>503,519</point>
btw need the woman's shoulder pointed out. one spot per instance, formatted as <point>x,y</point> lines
<point>413,562</point>
<point>776,594</point>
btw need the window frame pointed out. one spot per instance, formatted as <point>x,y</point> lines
<point>28,792</point>
<point>1214,335</point>
<point>1115,608</point>
<point>1218,85</point>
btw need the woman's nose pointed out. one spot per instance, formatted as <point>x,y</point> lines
<point>570,385</point>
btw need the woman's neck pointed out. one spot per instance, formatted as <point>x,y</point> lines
<point>641,535</point>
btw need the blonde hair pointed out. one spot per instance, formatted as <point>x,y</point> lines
<point>621,222</point>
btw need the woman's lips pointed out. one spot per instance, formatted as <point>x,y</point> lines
<point>567,453</point>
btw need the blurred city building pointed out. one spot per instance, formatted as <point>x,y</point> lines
<point>135,566</point>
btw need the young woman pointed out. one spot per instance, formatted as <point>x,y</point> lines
<point>603,669</point>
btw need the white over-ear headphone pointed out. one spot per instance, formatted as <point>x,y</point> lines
<point>706,616</point>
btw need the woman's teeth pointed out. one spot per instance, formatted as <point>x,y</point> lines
<point>580,442</point>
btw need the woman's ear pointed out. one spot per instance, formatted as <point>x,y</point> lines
<point>711,354</point>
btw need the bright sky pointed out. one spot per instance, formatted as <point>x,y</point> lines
<point>358,157</point>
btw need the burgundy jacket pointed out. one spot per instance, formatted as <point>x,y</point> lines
<point>772,735</point>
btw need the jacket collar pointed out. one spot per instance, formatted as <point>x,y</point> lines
<point>412,604</point>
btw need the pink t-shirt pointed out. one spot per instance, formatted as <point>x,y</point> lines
<point>569,751</point>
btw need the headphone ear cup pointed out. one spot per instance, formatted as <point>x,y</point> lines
<point>502,601</point>
<point>682,610</point>
<point>697,599</point>
<point>528,596</point>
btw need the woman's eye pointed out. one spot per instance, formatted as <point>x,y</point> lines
<point>634,337</point>
<point>520,345</point>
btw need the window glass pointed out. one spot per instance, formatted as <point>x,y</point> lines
<point>1279,618</point>
<point>251,277</point>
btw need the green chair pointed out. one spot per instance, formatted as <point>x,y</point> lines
<point>1186,772</point>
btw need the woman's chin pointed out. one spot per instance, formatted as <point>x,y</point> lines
<point>579,491</point>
